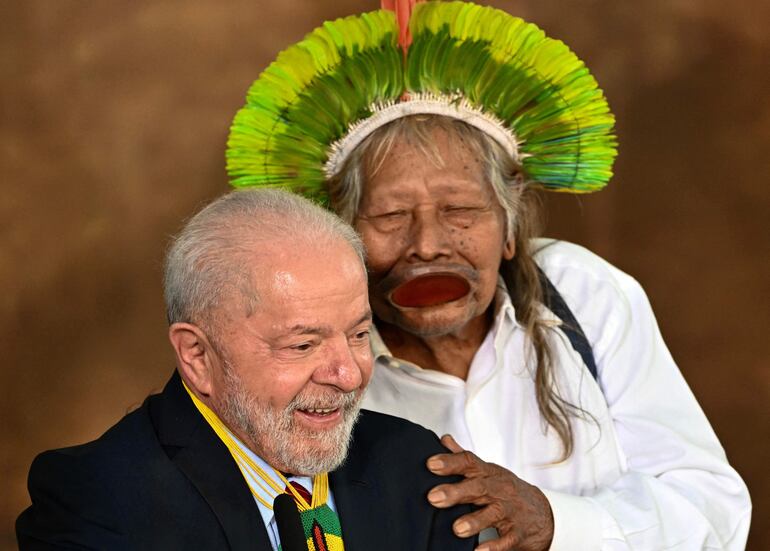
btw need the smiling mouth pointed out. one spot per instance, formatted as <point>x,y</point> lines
<point>319,419</point>
<point>430,290</point>
<point>318,411</point>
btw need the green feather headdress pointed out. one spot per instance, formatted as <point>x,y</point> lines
<point>322,96</point>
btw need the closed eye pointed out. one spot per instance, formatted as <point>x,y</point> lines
<point>461,208</point>
<point>392,214</point>
<point>462,216</point>
<point>390,221</point>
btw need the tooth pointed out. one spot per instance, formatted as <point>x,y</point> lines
<point>319,410</point>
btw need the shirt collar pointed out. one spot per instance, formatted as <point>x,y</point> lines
<point>267,514</point>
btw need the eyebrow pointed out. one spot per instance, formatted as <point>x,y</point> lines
<point>366,317</point>
<point>301,329</point>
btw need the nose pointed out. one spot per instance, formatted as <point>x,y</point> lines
<point>340,369</point>
<point>428,237</point>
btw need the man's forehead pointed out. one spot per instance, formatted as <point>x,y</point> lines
<point>279,259</point>
<point>309,270</point>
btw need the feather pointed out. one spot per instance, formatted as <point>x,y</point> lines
<point>318,92</point>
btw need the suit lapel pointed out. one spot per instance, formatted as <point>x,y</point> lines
<point>200,454</point>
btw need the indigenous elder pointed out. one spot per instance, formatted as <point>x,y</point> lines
<point>539,358</point>
<point>267,300</point>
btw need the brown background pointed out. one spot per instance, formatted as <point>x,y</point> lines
<point>113,121</point>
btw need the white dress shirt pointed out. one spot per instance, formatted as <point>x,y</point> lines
<point>268,517</point>
<point>647,471</point>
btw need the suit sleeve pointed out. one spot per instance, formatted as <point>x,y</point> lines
<point>71,508</point>
<point>442,536</point>
<point>390,459</point>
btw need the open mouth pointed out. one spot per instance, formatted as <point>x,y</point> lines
<point>319,411</point>
<point>320,418</point>
<point>430,290</point>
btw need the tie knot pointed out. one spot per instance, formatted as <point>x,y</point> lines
<point>302,491</point>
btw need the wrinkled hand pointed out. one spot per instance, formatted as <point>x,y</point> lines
<point>519,511</point>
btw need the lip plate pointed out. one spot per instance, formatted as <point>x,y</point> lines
<point>429,273</point>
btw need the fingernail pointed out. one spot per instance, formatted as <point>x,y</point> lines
<point>436,496</point>
<point>462,528</point>
<point>435,464</point>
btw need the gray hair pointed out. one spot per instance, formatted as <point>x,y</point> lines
<point>502,172</point>
<point>208,258</point>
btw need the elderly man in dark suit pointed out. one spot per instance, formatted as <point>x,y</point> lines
<point>269,319</point>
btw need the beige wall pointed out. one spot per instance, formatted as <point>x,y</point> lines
<point>113,118</point>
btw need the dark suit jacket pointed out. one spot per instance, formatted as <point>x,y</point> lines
<point>162,479</point>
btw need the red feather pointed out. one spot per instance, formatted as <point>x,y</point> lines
<point>403,9</point>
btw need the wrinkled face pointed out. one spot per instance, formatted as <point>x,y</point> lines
<point>434,239</point>
<point>292,374</point>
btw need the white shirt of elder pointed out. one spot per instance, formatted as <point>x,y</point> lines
<point>647,471</point>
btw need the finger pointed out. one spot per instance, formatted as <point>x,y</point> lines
<point>436,461</point>
<point>449,441</point>
<point>473,523</point>
<point>471,490</point>
<point>505,543</point>
<point>465,463</point>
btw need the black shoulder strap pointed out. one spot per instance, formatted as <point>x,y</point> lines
<point>555,302</point>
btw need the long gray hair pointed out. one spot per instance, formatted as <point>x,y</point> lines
<point>520,203</point>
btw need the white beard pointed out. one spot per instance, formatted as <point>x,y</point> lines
<point>276,438</point>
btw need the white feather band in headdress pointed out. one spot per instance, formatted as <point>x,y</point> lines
<point>424,103</point>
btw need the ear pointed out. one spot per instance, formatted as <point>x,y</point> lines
<point>195,357</point>
<point>509,248</point>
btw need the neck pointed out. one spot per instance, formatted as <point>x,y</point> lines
<point>451,353</point>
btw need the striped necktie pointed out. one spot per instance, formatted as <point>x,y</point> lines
<point>301,490</point>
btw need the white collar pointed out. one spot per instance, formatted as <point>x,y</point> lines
<point>267,514</point>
